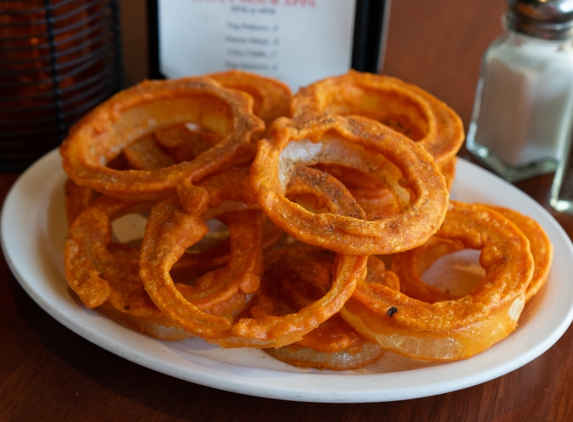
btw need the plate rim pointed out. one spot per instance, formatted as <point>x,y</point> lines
<point>308,387</point>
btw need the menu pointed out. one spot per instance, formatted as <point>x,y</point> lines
<point>296,41</point>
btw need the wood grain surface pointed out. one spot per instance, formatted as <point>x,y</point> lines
<point>48,373</point>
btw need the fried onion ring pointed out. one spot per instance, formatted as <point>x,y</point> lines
<point>77,199</point>
<point>298,274</point>
<point>171,230</point>
<point>334,344</point>
<point>403,107</point>
<point>448,169</point>
<point>185,141</point>
<point>453,329</point>
<point>101,135</point>
<point>271,98</point>
<point>411,265</point>
<point>373,196</point>
<point>106,275</point>
<point>403,166</point>
<point>145,154</point>
<point>539,243</point>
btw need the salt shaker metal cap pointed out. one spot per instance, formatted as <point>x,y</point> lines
<point>546,19</point>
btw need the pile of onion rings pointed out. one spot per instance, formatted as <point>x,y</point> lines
<point>298,224</point>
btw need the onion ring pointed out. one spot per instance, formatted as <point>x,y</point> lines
<point>184,142</point>
<point>271,98</point>
<point>298,274</point>
<point>539,243</point>
<point>448,169</point>
<point>373,196</point>
<point>145,154</point>
<point>77,199</point>
<point>171,230</point>
<point>334,344</point>
<point>403,107</point>
<point>218,255</point>
<point>405,167</point>
<point>411,265</point>
<point>319,191</point>
<point>453,329</point>
<point>152,105</point>
<point>105,275</point>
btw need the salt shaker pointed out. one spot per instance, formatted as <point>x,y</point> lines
<point>524,101</point>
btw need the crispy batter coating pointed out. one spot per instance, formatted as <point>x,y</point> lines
<point>411,265</point>
<point>271,98</point>
<point>103,133</point>
<point>539,243</point>
<point>171,230</point>
<point>293,277</point>
<point>403,107</point>
<point>351,166</point>
<point>105,275</point>
<point>460,328</point>
<point>403,166</point>
<point>77,199</point>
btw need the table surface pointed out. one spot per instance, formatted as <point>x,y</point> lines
<point>49,373</point>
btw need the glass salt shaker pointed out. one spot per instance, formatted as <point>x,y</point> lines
<point>524,101</point>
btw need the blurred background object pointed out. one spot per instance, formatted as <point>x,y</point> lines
<point>58,60</point>
<point>524,100</point>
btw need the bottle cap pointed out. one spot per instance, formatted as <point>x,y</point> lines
<point>546,19</point>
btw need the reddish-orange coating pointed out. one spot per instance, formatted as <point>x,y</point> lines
<point>460,328</point>
<point>271,98</point>
<point>403,166</point>
<point>403,107</point>
<point>293,277</point>
<point>101,135</point>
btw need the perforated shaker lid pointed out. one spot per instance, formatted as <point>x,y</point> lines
<point>547,19</point>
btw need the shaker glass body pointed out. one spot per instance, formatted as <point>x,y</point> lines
<point>524,103</point>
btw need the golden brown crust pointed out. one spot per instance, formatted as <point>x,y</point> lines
<point>171,230</point>
<point>77,199</point>
<point>101,135</point>
<point>271,98</point>
<point>411,265</point>
<point>453,329</point>
<point>403,107</point>
<point>334,344</point>
<point>403,166</point>
<point>359,164</point>
<point>539,243</point>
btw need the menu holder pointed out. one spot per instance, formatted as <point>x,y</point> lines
<point>295,41</point>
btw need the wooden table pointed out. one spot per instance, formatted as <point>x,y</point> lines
<point>48,373</point>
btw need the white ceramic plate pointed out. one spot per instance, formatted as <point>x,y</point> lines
<point>33,230</point>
